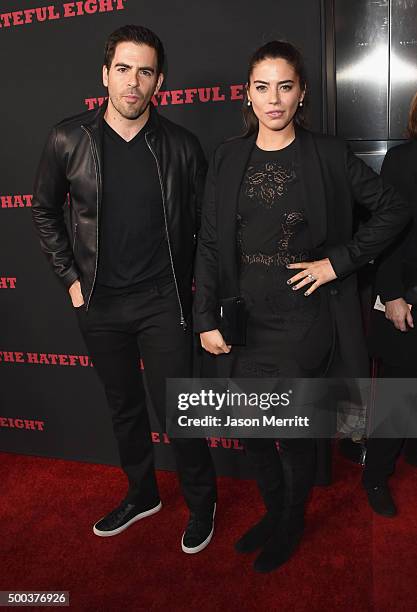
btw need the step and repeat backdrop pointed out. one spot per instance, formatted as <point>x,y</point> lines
<point>51,403</point>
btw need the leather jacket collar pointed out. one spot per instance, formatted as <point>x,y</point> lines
<point>96,121</point>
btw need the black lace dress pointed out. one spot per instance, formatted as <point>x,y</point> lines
<point>288,334</point>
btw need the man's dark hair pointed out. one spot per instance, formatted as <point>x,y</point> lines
<point>136,34</point>
<point>412,119</point>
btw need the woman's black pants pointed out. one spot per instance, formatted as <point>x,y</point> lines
<point>284,477</point>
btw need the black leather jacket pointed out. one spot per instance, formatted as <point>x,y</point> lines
<point>70,173</point>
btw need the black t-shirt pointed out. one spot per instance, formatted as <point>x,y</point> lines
<point>133,246</point>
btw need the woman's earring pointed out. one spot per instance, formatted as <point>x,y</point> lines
<point>249,102</point>
<point>301,103</point>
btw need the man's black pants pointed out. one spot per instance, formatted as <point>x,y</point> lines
<point>120,327</point>
<point>382,453</point>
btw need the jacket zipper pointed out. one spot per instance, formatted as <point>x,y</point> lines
<point>96,167</point>
<point>182,319</point>
<point>75,236</point>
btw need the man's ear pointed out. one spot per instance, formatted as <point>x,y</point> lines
<point>105,76</point>
<point>159,83</point>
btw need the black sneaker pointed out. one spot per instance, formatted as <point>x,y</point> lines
<point>198,532</point>
<point>381,501</point>
<point>121,518</point>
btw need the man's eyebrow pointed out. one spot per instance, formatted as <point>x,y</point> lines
<point>279,82</point>
<point>123,65</point>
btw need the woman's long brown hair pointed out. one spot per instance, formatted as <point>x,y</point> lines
<point>276,49</point>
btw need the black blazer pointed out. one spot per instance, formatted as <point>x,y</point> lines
<point>397,267</point>
<point>332,180</point>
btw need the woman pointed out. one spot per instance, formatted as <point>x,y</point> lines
<point>393,337</point>
<point>277,230</point>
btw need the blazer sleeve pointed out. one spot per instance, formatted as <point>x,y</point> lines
<point>206,263</point>
<point>49,196</point>
<point>198,168</point>
<point>389,280</point>
<point>389,214</point>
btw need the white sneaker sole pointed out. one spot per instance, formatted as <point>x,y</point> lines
<point>200,547</point>
<point>138,517</point>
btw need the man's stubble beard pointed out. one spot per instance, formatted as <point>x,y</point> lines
<point>135,113</point>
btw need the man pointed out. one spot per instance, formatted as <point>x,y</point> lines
<point>134,181</point>
<point>393,337</point>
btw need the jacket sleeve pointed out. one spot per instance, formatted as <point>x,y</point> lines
<point>389,279</point>
<point>389,213</point>
<point>206,264</point>
<point>49,196</point>
<point>198,177</point>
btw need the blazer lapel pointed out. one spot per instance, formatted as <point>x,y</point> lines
<point>232,170</point>
<point>413,171</point>
<point>312,186</point>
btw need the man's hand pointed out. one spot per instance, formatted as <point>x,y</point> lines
<point>75,294</point>
<point>314,273</point>
<point>399,313</point>
<point>212,341</point>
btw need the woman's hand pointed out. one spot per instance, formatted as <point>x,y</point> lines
<point>399,313</point>
<point>212,341</point>
<point>316,272</point>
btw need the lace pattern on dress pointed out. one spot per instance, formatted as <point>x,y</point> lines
<point>289,223</point>
<point>267,182</point>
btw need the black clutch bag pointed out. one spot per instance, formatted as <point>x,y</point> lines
<point>233,320</point>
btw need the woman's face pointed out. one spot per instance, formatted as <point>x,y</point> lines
<point>275,93</point>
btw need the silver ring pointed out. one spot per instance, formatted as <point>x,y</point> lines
<point>311,277</point>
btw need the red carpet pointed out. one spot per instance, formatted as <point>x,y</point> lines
<point>349,559</point>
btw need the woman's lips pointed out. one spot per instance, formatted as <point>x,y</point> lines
<point>275,114</point>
